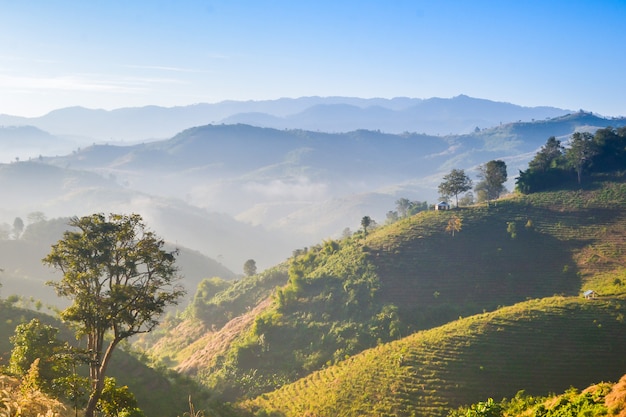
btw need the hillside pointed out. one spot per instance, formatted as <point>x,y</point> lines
<point>540,346</point>
<point>158,392</point>
<point>308,185</point>
<point>236,192</point>
<point>24,275</point>
<point>344,297</point>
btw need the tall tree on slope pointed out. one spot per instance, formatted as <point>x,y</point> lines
<point>120,280</point>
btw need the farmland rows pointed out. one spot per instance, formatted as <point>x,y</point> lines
<point>540,345</point>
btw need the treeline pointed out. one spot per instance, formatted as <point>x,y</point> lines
<point>586,153</point>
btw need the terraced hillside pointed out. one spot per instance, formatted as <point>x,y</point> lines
<point>344,297</point>
<point>540,345</point>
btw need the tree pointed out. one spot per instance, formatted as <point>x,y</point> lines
<point>391,217</point>
<point>249,267</point>
<point>117,401</point>
<point>18,227</point>
<point>548,155</point>
<point>581,150</point>
<point>366,221</point>
<point>34,341</point>
<point>493,176</point>
<point>36,217</point>
<point>611,149</point>
<point>119,279</point>
<point>403,205</point>
<point>406,207</point>
<point>455,183</point>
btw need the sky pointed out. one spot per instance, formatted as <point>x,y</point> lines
<point>112,54</point>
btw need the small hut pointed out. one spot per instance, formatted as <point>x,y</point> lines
<point>442,205</point>
<point>589,294</point>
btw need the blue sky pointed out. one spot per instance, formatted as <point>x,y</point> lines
<point>111,54</point>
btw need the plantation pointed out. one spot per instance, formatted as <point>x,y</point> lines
<point>544,345</point>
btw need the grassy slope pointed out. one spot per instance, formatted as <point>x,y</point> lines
<point>540,345</point>
<point>576,242</point>
<point>184,344</point>
<point>570,236</point>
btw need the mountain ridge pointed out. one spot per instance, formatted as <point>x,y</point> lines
<point>292,187</point>
<point>455,115</point>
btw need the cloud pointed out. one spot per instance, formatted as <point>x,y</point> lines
<point>164,68</point>
<point>96,83</point>
<point>300,189</point>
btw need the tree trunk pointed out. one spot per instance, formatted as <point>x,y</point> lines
<point>99,382</point>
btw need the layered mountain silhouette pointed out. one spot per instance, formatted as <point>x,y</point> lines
<point>237,192</point>
<point>433,116</point>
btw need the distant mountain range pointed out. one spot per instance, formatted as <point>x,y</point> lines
<point>434,116</point>
<point>236,192</point>
<point>322,165</point>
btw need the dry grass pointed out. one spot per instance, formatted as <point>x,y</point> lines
<point>218,342</point>
<point>14,401</point>
<point>615,401</point>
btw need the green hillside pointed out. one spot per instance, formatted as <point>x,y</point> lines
<point>343,297</point>
<point>158,392</point>
<point>522,247</point>
<point>541,346</point>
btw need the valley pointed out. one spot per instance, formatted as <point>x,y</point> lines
<point>403,317</point>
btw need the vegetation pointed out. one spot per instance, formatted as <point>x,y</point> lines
<point>16,400</point>
<point>36,341</point>
<point>405,208</point>
<point>366,222</point>
<point>249,267</point>
<point>158,391</point>
<point>602,152</point>
<point>344,297</point>
<point>119,280</point>
<point>544,345</point>
<point>603,399</point>
<point>455,183</point>
<point>492,176</point>
<point>429,315</point>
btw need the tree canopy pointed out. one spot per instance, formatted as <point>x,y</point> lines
<point>455,183</point>
<point>493,175</point>
<point>249,267</point>
<point>366,221</point>
<point>580,152</point>
<point>36,340</point>
<point>549,156</point>
<point>119,279</point>
<point>604,151</point>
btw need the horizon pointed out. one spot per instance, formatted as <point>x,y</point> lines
<point>117,55</point>
<point>287,98</point>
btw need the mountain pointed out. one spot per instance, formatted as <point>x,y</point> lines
<point>311,185</point>
<point>435,116</point>
<point>539,347</point>
<point>24,274</point>
<point>238,192</point>
<point>28,142</point>
<point>212,244</point>
<point>332,114</point>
